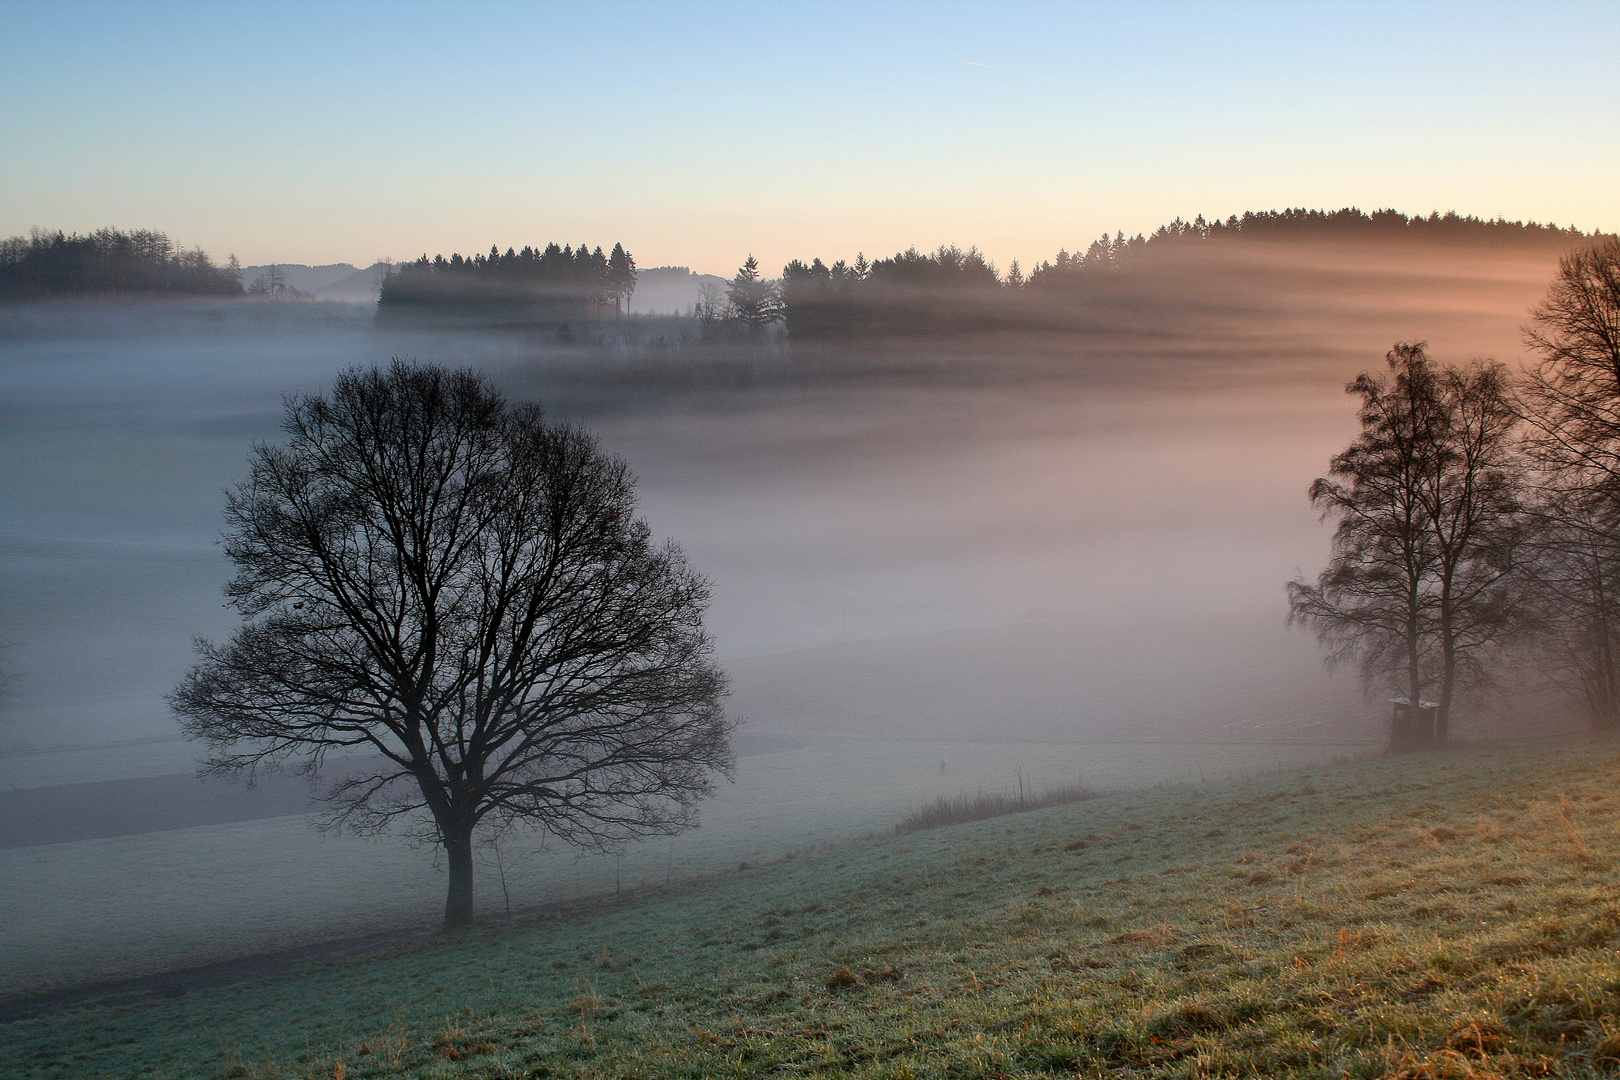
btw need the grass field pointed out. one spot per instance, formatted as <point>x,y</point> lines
<point>81,912</point>
<point>1445,916</point>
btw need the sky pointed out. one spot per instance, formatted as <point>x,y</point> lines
<point>699,133</point>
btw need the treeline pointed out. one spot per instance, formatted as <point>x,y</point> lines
<point>1123,254</point>
<point>951,289</point>
<point>911,292</point>
<point>556,283</point>
<point>47,264</point>
<point>1478,517</point>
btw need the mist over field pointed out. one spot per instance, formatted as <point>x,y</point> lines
<point>1054,534</point>
<point>1027,541</point>
<point>1052,552</point>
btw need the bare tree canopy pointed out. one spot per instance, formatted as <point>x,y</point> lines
<point>1572,400</point>
<point>461,591</point>
<point>1420,584</point>
<point>1573,550</point>
<point>1571,405</point>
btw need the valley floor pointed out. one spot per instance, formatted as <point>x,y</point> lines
<point>1450,915</point>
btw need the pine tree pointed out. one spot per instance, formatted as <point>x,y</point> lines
<point>755,302</point>
<point>621,278</point>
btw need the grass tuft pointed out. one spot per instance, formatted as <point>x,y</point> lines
<point>982,805</point>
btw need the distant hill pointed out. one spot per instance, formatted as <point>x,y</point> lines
<point>669,290</point>
<point>299,276</point>
<point>332,281</point>
<point>359,287</point>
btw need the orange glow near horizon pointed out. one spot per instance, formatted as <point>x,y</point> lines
<point>698,136</point>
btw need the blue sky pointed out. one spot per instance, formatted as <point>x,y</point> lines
<point>697,133</point>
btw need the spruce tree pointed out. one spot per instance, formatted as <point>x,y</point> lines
<point>755,303</point>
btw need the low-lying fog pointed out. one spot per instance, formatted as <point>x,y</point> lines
<point>1061,536</point>
<point>999,551</point>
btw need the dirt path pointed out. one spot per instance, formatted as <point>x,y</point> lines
<point>243,969</point>
<point>181,981</point>
<point>92,810</point>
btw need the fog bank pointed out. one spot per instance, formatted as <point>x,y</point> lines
<point>1058,534</point>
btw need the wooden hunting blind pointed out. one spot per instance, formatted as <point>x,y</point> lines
<point>1412,727</point>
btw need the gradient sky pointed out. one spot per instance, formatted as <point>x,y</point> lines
<point>697,133</point>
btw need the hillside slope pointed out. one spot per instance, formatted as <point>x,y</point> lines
<point>1427,917</point>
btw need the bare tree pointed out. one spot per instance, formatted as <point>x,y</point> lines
<point>1571,404</point>
<point>460,589</point>
<point>710,308</point>
<point>1420,586</point>
<point>1573,550</point>
<point>1572,400</point>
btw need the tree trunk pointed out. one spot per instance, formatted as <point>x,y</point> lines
<point>1448,685</point>
<point>1605,716</point>
<point>1448,665</point>
<point>1603,683</point>
<point>1400,737</point>
<point>458,904</point>
<point>1603,694</point>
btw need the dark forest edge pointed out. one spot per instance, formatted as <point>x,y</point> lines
<point>944,291</point>
<point>556,283</point>
<point>110,261</point>
<point>952,289</point>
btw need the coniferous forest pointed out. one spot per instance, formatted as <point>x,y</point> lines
<point>555,284</point>
<point>140,261</point>
<point>950,290</point>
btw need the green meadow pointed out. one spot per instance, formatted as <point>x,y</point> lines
<point>1450,915</point>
